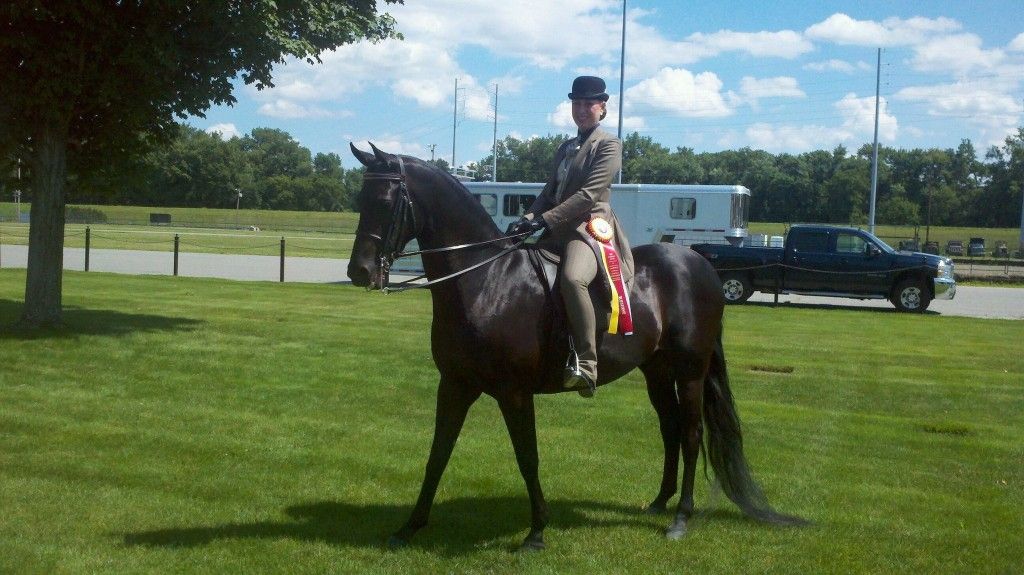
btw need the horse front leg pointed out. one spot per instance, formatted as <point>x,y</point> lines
<point>520,418</point>
<point>692,428</point>
<point>453,402</point>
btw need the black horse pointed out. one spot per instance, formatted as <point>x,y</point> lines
<point>491,334</point>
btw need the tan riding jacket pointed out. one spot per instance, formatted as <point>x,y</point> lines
<point>586,194</point>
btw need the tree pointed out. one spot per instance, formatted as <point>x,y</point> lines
<point>87,81</point>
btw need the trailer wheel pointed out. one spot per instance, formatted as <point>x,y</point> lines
<point>736,288</point>
<point>911,296</point>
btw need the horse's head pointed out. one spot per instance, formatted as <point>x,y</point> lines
<point>386,221</point>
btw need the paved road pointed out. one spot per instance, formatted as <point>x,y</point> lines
<point>981,302</point>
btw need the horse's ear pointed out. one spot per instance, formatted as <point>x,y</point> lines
<point>381,156</point>
<point>364,158</point>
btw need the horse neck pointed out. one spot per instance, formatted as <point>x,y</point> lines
<point>448,216</point>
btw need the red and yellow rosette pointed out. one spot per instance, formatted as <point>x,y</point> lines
<point>621,320</point>
<point>600,230</point>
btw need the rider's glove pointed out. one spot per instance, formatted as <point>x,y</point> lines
<point>524,225</point>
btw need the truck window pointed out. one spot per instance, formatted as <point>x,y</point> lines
<point>517,204</point>
<point>847,243</point>
<point>810,242</point>
<point>489,202</point>
<point>682,208</point>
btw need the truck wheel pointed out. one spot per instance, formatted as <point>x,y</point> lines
<point>911,296</point>
<point>736,288</point>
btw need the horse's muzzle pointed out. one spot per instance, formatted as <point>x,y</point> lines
<point>365,275</point>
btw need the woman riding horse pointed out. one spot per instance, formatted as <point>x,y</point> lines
<point>573,208</point>
<point>493,333</point>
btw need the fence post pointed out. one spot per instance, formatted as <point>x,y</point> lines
<point>88,236</point>
<point>282,259</point>
<point>778,280</point>
<point>176,240</point>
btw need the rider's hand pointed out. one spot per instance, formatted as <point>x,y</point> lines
<point>524,225</point>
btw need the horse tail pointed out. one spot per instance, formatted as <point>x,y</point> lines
<point>724,447</point>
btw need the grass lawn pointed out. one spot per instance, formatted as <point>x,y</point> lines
<point>192,425</point>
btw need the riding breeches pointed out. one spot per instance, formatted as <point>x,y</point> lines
<point>579,268</point>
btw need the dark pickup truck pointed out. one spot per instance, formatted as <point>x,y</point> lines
<point>833,261</point>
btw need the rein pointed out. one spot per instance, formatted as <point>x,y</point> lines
<point>404,218</point>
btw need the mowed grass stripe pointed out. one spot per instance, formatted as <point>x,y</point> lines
<point>197,425</point>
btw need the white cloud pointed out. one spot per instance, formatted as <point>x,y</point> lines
<point>225,131</point>
<point>859,117</point>
<point>782,44</point>
<point>857,126</point>
<point>1017,44</point>
<point>561,118</point>
<point>754,89</point>
<point>392,145</point>
<point>288,110</point>
<point>526,29</point>
<point>842,29</point>
<point>955,54</point>
<point>831,65</point>
<point>678,92</point>
<point>994,113</point>
<point>788,138</point>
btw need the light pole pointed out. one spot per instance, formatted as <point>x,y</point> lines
<point>17,205</point>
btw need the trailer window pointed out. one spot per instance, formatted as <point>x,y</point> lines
<point>682,208</point>
<point>517,204</point>
<point>740,208</point>
<point>489,202</point>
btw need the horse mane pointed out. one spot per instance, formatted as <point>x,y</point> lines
<point>442,178</point>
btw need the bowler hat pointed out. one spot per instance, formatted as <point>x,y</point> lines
<point>588,88</point>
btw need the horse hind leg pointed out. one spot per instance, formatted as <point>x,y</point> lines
<point>691,427</point>
<point>520,418</point>
<point>662,394</point>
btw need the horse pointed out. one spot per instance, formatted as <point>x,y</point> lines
<point>491,335</point>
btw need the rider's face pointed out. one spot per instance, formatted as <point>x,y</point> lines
<point>587,113</point>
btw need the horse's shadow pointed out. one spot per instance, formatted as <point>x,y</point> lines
<point>456,526</point>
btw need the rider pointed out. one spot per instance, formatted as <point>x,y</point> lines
<point>578,192</point>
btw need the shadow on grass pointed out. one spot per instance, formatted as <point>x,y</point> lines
<point>78,322</point>
<point>456,527</point>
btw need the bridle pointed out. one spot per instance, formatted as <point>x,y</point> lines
<point>403,220</point>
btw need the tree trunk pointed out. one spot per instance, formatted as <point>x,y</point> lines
<point>46,230</point>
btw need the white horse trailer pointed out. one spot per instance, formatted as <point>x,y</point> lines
<point>649,213</point>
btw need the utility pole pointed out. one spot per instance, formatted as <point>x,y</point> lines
<point>432,146</point>
<point>494,141</point>
<point>874,153</point>
<point>455,118</point>
<point>622,76</point>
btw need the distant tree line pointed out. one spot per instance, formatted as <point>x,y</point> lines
<point>273,171</point>
<point>939,186</point>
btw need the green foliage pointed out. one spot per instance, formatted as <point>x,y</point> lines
<point>182,425</point>
<point>938,187</point>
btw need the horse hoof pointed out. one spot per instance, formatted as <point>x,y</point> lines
<point>655,509</point>
<point>531,544</point>
<point>397,542</point>
<point>531,547</point>
<point>675,532</point>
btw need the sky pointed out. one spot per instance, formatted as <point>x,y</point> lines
<point>782,76</point>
